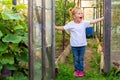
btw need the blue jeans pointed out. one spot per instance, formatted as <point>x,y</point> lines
<point>78,57</point>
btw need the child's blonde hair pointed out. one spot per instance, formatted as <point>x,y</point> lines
<point>73,11</point>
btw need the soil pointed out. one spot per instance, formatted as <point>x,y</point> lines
<point>88,54</point>
<point>87,58</point>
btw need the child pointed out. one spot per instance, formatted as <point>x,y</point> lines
<point>78,41</point>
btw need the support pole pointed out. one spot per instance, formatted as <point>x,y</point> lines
<point>53,41</point>
<point>14,2</point>
<point>107,32</point>
<point>43,41</point>
<point>30,38</point>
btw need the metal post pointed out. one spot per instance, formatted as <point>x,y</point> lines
<point>107,32</point>
<point>30,38</point>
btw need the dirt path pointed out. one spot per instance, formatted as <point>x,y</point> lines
<point>87,58</point>
<point>88,54</point>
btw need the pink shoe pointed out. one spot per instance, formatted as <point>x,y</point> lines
<point>76,73</point>
<point>81,73</point>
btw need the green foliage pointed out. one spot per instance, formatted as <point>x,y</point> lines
<point>3,47</point>
<point>13,40</point>
<point>1,34</point>
<point>17,76</point>
<point>64,73</point>
<point>61,10</point>
<point>70,59</point>
<point>7,3</point>
<point>7,59</point>
<point>61,17</point>
<point>9,15</point>
<point>95,60</point>
<point>20,6</point>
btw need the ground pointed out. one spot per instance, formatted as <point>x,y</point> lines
<point>87,58</point>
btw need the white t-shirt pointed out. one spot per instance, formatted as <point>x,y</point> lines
<point>77,33</point>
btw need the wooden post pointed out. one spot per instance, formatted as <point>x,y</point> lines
<point>14,2</point>
<point>107,32</point>
<point>30,38</point>
<point>74,2</point>
<point>53,40</point>
<point>43,41</point>
<point>79,3</point>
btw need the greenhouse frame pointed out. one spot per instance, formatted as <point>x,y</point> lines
<point>41,46</point>
<point>103,32</point>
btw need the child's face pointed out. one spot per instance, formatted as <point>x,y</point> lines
<point>78,16</point>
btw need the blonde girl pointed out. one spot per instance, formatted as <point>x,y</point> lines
<point>78,40</point>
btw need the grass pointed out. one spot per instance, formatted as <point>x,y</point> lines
<point>65,70</point>
<point>65,73</point>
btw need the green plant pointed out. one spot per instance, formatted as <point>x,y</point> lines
<point>61,10</point>
<point>65,72</point>
<point>61,17</point>
<point>114,70</point>
<point>13,40</point>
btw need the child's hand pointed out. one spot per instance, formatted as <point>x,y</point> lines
<point>59,28</point>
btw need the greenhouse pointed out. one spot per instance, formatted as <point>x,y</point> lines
<point>32,49</point>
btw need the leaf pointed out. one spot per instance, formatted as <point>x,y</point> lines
<point>25,37</point>
<point>1,66</point>
<point>10,67</point>
<point>3,46</point>
<point>18,27</point>
<point>7,59</point>
<point>19,76</point>
<point>7,2</point>
<point>10,78</point>
<point>20,32</point>
<point>9,15</point>
<point>12,38</point>
<point>20,6</point>
<point>4,30</point>
<point>23,57</point>
<point>14,47</point>
<point>1,34</point>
